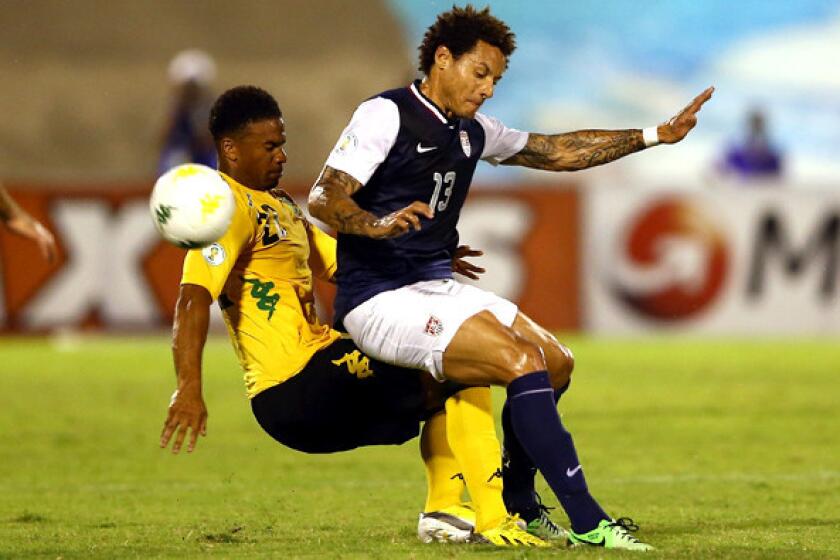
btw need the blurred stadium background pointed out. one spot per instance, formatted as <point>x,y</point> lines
<point>663,240</point>
<point>661,243</point>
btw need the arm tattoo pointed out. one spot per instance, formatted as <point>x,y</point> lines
<point>330,202</point>
<point>573,151</point>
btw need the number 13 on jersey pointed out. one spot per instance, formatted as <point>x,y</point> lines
<point>440,181</point>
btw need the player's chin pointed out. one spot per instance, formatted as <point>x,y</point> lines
<point>466,114</point>
<point>469,110</point>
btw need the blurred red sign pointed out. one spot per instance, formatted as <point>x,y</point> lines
<point>113,270</point>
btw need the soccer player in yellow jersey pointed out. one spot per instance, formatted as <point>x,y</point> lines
<point>311,389</point>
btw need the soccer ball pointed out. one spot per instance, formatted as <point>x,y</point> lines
<point>191,205</point>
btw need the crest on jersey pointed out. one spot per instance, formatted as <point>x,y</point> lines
<point>214,254</point>
<point>434,326</point>
<point>298,213</point>
<point>465,143</point>
<point>287,199</point>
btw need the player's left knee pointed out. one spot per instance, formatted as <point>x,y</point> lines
<point>560,358</point>
<point>567,360</point>
<point>563,362</point>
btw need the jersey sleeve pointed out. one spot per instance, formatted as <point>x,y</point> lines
<point>322,260</point>
<point>368,138</point>
<point>500,142</point>
<point>209,267</point>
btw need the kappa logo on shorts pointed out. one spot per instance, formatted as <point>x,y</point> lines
<point>357,364</point>
<point>433,326</point>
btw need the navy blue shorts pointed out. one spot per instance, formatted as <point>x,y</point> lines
<point>343,400</point>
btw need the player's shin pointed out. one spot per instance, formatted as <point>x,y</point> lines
<point>472,436</point>
<point>518,470</point>
<point>535,420</point>
<point>518,473</point>
<point>443,475</point>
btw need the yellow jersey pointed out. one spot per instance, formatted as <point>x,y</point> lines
<point>261,273</point>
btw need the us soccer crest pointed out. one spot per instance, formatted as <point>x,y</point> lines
<point>434,326</point>
<point>465,143</point>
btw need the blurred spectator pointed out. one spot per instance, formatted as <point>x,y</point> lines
<point>18,220</point>
<point>755,157</point>
<point>185,138</point>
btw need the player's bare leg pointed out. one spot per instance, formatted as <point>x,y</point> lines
<point>519,471</point>
<point>462,365</point>
<point>485,351</point>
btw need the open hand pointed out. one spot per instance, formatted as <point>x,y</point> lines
<point>33,229</point>
<point>676,129</point>
<point>464,268</point>
<point>187,413</point>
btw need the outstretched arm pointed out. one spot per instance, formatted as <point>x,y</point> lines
<point>187,411</point>
<point>330,201</point>
<point>577,150</point>
<point>583,149</point>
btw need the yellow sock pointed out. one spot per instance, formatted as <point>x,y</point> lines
<point>445,487</point>
<point>471,432</point>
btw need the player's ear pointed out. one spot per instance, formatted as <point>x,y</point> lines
<point>443,57</point>
<point>228,149</point>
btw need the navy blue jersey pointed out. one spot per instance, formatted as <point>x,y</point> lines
<point>402,148</point>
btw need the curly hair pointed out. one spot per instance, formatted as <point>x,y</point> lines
<point>239,107</point>
<point>460,29</point>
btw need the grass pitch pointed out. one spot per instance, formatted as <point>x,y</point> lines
<point>717,449</point>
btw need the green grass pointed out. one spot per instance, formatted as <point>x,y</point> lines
<point>717,449</point>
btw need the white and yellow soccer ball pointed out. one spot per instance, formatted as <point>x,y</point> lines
<point>191,205</point>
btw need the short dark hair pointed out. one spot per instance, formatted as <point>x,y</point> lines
<point>460,29</point>
<point>238,107</point>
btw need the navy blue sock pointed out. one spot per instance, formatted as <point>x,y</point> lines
<point>534,419</point>
<point>518,471</point>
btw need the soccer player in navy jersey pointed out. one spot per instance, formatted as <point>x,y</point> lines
<point>393,188</point>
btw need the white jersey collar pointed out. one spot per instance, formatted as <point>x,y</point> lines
<point>428,103</point>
